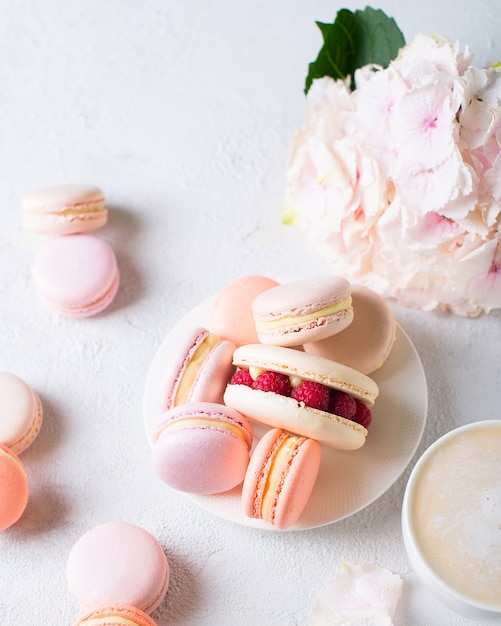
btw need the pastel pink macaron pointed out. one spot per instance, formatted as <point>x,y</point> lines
<point>231,312</point>
<point>198,369</point>
<point>20,413</point>
<point>64,209</point>
<point>77,275</point>
<point>202,448</point>
<point>280,477</point>
<point>14,489</point>
<point>367,342</point>
<point>302,311</point>
<point>116,616</point>
<point>118,563</point>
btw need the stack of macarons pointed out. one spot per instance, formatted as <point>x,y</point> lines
<point>20,422</point>
<point>294,357</point>
<point>75,272</point>
<point>119,574</point>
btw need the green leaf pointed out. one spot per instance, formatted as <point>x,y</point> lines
<point>354,40</point>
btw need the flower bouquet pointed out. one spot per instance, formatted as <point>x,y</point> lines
<point>395,175</point>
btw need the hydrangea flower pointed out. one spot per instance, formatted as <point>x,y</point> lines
<point>397,184</point>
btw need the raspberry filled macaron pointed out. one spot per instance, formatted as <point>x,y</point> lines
<point>302,393</point>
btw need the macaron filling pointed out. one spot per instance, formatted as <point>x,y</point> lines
<point>273,475</point>
<point>315,394</point>
<point>193,422</point>
<point>195,357</point>
<point>282,320</point>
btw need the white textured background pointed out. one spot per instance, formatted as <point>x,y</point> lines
<point>182,112</point>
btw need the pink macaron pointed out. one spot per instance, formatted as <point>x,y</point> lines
<point>280,477</point>
<point>231,312</point>
<point>20,413</point>
<point>116,616</point>
<point>202,448</point>
<point>77,275</point>
<point>118,563</point>
<point>302,311</point>
<point>13,488</point>
<point>198,369</point>
<point>64,209</point>
<point>367,342</point>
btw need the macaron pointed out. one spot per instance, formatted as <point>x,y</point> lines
<point>64,209</point>
<point>202,448</point>
<point>13,488</point>
<point>198,370</point>
<point>231,312</point>
<point>303,311</point>
<point>302,393</point>
<point>118,563</point>
<point>116,616</point>
<point>20,413</point>
<point>77,275</point>
<point>367,342</point>
<point>280,477</point>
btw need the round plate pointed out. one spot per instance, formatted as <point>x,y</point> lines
<point>347,481</point>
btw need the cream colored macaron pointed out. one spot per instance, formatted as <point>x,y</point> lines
<point>64,209</point>
<point>283,409</point>
<point>20,413</point>
<point>367,342</point>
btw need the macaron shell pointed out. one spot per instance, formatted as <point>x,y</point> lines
<point>278,411</point>
<point>118,563</point>
<point>20,413</point>
<point>60,224</point>
<point>13,488</point>
<point>367,342</point>
<point>64,209</point>
<point>77,274</point>
<point>213,371</point>
<point>116,616</point>
<point>202,448</point>
<point>231,314</point>
<point>294,483</point>
<point>298,312</point>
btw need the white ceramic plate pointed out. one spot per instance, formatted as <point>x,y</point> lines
<point>347,481</point>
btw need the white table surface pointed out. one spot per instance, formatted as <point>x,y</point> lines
<point>182,112</point>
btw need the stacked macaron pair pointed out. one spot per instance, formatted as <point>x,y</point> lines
<point>119,574</point>
<point>257,363</point>
<point>76,273</point>
<point>20,422</point>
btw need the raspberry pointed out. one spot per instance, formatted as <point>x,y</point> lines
<point>342,404</point>
<point>273,381</point>
<point>242,377</point>
<point>313,394</point>
<point>363,415</point>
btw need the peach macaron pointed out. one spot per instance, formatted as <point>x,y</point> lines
<point>13,488</point>
<point>231,312</point>
<point>280,477</point>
